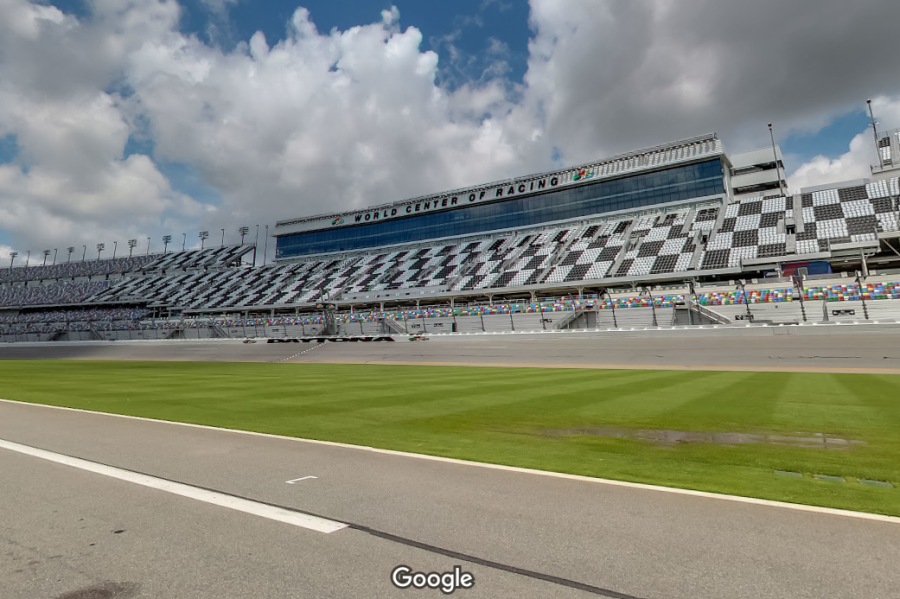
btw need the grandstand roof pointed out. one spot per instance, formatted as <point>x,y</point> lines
<point>753,157</point>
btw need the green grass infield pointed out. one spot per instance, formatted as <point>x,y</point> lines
<point>754,434</point>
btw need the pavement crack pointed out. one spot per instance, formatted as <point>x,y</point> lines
<point>557,580</point>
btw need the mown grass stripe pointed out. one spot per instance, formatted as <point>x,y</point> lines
<point>505,416</point>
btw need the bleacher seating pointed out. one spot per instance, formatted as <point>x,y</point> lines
<point>61,292</point>
<point>845,215</point>
<point>618,249</point>
<point>632,310</point>
<point>78,315</point>
<point>184,260</point>
<point>71,270</point>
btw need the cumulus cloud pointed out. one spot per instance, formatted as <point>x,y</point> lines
<point>613,76</point>
<point>318,122</point>
<point>851,165</point>
<point>326,121</point>
<point>71,183</point>
<point>856,162</point>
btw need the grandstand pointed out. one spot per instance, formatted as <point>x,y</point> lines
<point>636,233</point>
<point>75,270</point>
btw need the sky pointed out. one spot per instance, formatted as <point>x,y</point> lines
<point>134,119</point>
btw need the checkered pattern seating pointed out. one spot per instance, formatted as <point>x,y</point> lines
<point>652,243</point>
<point>196,259</point>
<point>850,214</point>
<point>750,229</point>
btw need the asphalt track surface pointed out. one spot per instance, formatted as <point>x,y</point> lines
<point>66,533</point>
<point>834,348</point>
<point>69,534</point>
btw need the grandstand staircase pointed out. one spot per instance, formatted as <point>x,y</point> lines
<point>395,327</point>
<point>577,319</point>
<point>689,217</point>
<point>561,251</point>
<point>174,334</point>
<point>692,314</point>
<point>790,243</point>
<point>715,317</point>
<point>699,250</point>
<point>509,244</point>
<point>620,257</point>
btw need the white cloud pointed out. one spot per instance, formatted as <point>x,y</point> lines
<point>850,166</point>
<point>70,183</point>
<point>219,6</point>
<point>855,163</point>
<point>321,122</point>
<point>616,76</point>
<point>318,122</point>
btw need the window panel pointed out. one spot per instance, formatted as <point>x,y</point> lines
<point>606,196</point>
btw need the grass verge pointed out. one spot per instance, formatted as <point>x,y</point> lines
<point>533,418</point>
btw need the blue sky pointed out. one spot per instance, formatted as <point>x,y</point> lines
<point>830,141</point>
<point>467,24</point>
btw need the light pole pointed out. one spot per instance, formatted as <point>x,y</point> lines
<point>83,253</point>
<point>12,257</point>
<point>115,246</point>
<point>100,248</point>
<point>223,239</point>
<point>646,291</point>
<point>183,238</point>
<point>266,245</point>
<point>692,293</point>
<point>131,244</point>
<point>243,231</point>
<point>27,258</point>
<point>540,311</point>
<point>875,133</point>
<point>860,281</point>
<point>612,305</point>
<point>743,290</point>
<point>148,246</point>
<point>255,245</point>
<point>46,255</point>
<point>55,250</point>
<point>775,155</point>
<point>69,250</point>
<point>166,240</point>
<point>798,286</point>
<point>203,235</point>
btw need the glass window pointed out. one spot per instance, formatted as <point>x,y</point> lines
<point>680,183</point>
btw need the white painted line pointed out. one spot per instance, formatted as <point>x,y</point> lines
<point>290,482</point>
<point>227,501</point>
<point>603,481</point>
